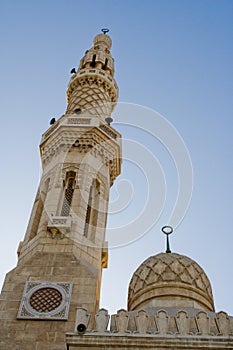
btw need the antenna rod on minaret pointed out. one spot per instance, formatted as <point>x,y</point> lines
<point>167,230</point>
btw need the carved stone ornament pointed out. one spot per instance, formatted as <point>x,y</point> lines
<point>45,300</point>
<point>101,320</point>
<point>173,322</point>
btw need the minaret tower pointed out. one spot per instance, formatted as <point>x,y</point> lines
<point>61,258</point>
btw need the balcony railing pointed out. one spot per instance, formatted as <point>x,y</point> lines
<point>59,226</point>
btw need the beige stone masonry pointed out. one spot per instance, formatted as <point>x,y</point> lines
<point>167,328</point>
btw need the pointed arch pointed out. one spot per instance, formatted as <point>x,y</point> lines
<point>93,63</point>
<point>92,210</point>
<point>38,208</point>
<point>69,185</point>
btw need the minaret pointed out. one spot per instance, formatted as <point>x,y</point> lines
<point>61,258</point>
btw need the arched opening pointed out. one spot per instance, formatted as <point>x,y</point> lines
<point>38,208</point>
<point>92,211</point>
<point>105,64</point>
<point>92,64</point>
<point>69,186</point>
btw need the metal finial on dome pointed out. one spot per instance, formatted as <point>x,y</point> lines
<point>167,230</point>
<point>104,30</point>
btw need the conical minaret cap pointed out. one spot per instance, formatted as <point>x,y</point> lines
<point>103,39</point>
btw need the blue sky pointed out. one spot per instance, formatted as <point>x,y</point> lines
<point>172,56</point>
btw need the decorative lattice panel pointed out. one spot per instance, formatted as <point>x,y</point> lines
<point>68,197</point>
<point>45,300</point>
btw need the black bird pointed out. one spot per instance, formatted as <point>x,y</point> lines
<point>77,110</point>
<point>52,121</point>
<point>73,70</point>
<point>109,120</point>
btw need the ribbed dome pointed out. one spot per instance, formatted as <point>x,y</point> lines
<point>170,280</point>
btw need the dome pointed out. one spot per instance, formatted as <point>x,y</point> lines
<point>102,39</point>
<point>170,280</point>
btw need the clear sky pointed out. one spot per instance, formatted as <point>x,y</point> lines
<point>171,56</point>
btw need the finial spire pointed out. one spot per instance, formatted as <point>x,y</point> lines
<point>167,230</point>
<point>104,30</point>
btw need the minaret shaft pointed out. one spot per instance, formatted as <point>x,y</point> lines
<point>61,258</point>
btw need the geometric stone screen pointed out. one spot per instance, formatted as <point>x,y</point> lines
<point>45,300</point>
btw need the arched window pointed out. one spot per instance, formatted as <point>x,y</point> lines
<point>38,208</point>
<point>92,64</point>
<point>92,211</point>
<point>68,193</point>
<point>105,64</point>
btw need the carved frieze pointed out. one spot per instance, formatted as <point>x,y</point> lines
<point>168,321</point>
<point>189,322</point>
<point>84,143</point>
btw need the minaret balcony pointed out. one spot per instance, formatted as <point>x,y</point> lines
<point>59,226</point>
<point>95,72</point>
<point>84,121</point>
